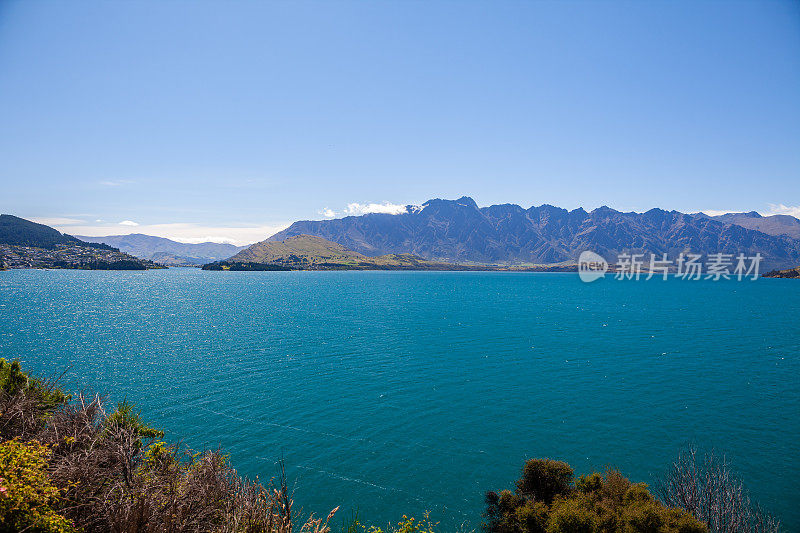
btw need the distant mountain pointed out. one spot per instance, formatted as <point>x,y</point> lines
<point>166,251</point>
<point>18,231</point>
<point>26,244</point>
<point>771,225</point>
<point>460,231</point>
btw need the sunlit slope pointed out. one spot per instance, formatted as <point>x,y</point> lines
<point>308,250</point>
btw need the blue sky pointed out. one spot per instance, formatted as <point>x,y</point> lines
<point>229,120</point>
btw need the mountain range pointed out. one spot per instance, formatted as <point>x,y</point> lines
<point>771,225</point>
<point>459,231</point>
<point>166,251</point>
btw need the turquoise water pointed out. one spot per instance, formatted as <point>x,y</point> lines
<point>397,392</point>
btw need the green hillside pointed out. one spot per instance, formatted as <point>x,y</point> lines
<point>307,252</point>
<point>26,244</point>
<point>17,231</point>
<point>302,248</point>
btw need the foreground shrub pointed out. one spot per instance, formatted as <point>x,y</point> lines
<point>547,501</point>
<point>544,479</point>
<point>26,402</point>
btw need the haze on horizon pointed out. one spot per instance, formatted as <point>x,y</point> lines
<point>228,121</point>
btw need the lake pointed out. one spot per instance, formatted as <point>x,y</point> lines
<point>400,392</point>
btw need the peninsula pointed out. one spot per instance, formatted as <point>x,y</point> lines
<point>309,252</point>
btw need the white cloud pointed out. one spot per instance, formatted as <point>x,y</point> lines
<point>717,212</point>
<point>128,223</point>
<point>357,209</point>
<point>114,183</point>
<point>57,221</point>
<point>774,209</point>
<point>780,209</point>
<point>182,232</point>
<point>207,238</point>
<point>363,209</point>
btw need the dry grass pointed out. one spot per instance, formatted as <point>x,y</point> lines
<point>705,485</point>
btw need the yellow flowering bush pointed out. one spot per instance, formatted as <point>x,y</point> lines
<point>409,525</point>
<point>26,492</point>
